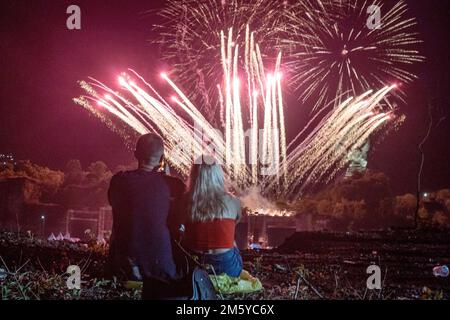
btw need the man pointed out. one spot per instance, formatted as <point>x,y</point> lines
<point>143,202</point>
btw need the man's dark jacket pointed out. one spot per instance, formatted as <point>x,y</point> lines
<point>145,205</point>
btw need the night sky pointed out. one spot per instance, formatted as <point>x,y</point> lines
<point>41,62</point>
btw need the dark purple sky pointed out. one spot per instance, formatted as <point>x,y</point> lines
<point>41,61</point>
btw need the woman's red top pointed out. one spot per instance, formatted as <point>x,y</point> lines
<point>212,234</point>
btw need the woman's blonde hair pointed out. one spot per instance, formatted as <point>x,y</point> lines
<point>207,190</point>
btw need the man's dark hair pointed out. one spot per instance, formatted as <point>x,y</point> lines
<point>149,147</point>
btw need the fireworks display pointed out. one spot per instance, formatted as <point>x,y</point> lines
<point>336,62</point>
<point>329,50</point>
<point>191,39</point>
<point>324,151</point>
<point>249,93</point>
<point>315,159</point>
<point>334,49</point>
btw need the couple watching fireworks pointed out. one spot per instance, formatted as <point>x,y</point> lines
<point>153,212</point>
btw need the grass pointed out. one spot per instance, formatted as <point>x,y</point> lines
<point>35,269</point>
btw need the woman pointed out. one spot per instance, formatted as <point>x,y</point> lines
<point>212,216</point>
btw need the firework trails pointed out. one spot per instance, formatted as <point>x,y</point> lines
<point>191,39</point>
<point>332,49</point>
<point>253,119</point>
<point>329,51</point>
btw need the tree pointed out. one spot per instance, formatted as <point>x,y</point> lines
<point>324,207</point>
<point>362,201</point>
<point>73,165</point>
<point>128,167</point>
<point>47,181</point>
<point>405,207</point>
<point>99,171</point>
<point>443,195</point>
<point>306,205</point>
<point>74,174</point>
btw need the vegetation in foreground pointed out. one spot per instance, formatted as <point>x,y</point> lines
<point>308,266</point>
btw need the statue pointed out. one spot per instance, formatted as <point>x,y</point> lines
<point>357,159</point>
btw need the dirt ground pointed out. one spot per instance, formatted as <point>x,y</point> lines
<point>333,265</point>
<point>318,265</point>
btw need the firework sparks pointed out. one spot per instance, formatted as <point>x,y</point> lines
<point>323,153</point>
<point>332,50</point>
<point>327,46</point>
<point>152,113</point>
<point>316,158</point>
<point>191,39</point>
<point>271,212</point>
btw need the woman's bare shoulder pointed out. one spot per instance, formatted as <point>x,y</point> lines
<point>233,205</point>
<point>232,199</point>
